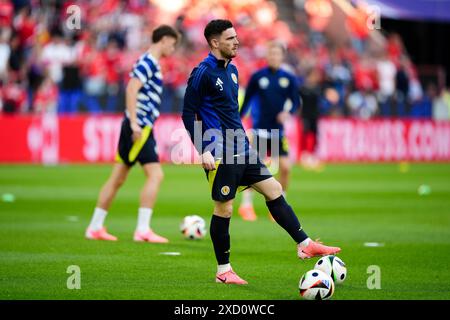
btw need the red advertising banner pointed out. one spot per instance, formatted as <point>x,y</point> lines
<point>92,139</point>
<point>383,140</point>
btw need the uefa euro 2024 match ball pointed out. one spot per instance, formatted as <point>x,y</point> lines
<point>193,227</point>
<point>332,266</point>
<point>316,285</point>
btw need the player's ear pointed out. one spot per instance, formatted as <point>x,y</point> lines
<point>214,43</point>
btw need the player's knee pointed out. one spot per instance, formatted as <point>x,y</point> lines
<point>224,209</point>
<point>156,175</point>
<point>285,167</point>
<point>278,189</point>
<point>275,191</point>
<point>285,170</point>
<point>159,176</point>
<point>118,182</point>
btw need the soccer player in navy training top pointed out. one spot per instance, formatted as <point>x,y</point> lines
<point>136,143</point>
<point>211,116</point>
<point>272,96</point>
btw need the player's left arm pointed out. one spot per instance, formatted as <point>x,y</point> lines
<point>294,95</point>
<point>142,71</point>
<point>133,87</point>
<point>292,102</point>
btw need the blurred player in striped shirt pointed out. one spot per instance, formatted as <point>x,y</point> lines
<point>137,143</point>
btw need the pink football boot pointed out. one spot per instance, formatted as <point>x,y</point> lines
<point>315,249</point>
<point>247,213</point>
<point>101,234</point>
<point>149,236</point>
<point>230,277</point>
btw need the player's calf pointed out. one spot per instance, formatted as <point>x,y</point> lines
<point>284,215</point>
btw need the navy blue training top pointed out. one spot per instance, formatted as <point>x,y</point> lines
<point>211,99</point>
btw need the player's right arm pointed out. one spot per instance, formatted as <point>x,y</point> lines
<point>133,87</point>
<point>193,100</point>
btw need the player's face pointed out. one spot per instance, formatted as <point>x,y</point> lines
<point>228,43</point>
<point>275,57</point>
<point>168,45</point>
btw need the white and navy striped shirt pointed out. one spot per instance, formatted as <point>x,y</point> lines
<point>148,71</point>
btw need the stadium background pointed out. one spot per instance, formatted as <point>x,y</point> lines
<point>383,97</point>
<point>53,64</point>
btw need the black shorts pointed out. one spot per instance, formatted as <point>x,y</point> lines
<point>142,151</point>
<point>228,179</point>
<point>264,146</point>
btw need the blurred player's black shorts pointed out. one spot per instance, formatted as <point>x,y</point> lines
<point>142,151</point>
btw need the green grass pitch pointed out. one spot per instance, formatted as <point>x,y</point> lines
<point>42,234</point>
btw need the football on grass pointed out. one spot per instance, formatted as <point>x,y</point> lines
<point>193,227</point>
<point>316,285</point>
<point>332,266</point>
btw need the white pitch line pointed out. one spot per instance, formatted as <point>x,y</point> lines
<point>170,253</point>
<point>373,244</point>
<point>72,218</point>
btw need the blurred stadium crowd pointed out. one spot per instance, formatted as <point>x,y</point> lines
<point>47,67</point>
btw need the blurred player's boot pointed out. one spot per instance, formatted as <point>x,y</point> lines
<point>230,277</point>
<point>149,236</point>
<point>271,217</point>
<point>101,234</point>
<point>247,212</point>
<point>314,249</point>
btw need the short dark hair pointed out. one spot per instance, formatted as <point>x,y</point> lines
<point>164,31</point>
<point>216,27</point>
